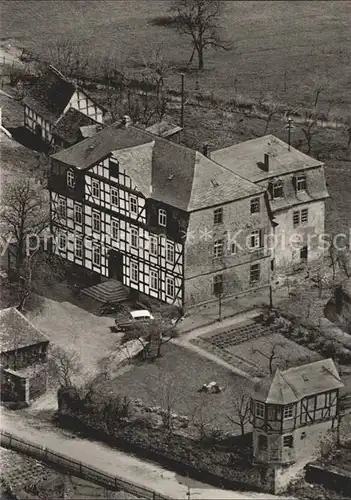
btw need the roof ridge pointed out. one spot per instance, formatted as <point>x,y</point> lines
<point>288,384</point>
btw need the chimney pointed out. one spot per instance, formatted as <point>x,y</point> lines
<point>266,162</point>
<point>126,120</point>
<point>205,149</point>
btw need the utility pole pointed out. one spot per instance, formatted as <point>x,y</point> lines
<point>289,132</point>
<point>182,102</point>
<point>220,307</point>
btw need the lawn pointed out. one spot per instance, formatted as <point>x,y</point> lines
<point>176,377</point>
<point>280,47</point>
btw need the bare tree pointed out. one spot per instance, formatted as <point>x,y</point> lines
<point>64,365</point>
<point>68,56</point>
<point>152,336</point>
<point>200,416</point>
<point>169,394</point>
<point>318,87</point>
<point>271,107</point>
<point>24,213</point>
<point>199,20</point>
<point>241,410</point>
<point>270,355</point>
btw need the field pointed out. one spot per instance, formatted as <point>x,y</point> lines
<point>279,47</point>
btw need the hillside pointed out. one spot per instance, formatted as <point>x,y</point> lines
<point>278,47</point>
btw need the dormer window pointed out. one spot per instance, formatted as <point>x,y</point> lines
<point>277,189</point>
<point>300,182</point>
<point>71,179</point>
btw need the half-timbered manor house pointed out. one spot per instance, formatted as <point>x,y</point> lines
<point>159,217</point>
<point>293,410</point>
<point>55,108</point>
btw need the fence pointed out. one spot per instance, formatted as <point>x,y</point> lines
<point>76,468</point>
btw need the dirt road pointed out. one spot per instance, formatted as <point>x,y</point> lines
<point>113,461</point>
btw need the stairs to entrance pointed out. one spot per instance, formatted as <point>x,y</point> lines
<point>108,291</point>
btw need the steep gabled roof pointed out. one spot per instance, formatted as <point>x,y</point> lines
<point>68,127</point>
<point>296,383</point>
<point>17,332</point>
<point>246,159</point>
<point>50,95</point>
<point>162,170</point>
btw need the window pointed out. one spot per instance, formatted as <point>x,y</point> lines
<point>134,271</point>
<point>260,409</point>
<point>96,256</point>
<point>218,284</point>
<point>300,183</point>
<point>170,252</point>
<point>162,217</point>
<point>62,243</point>
<point>233,248</point>
<point>153,245</point>
<point>114,197</point>
<point>288,441</point>
<point>115,229</point>
<point>134,233</point>
<point>277,189</point>
<point>218,248</point>
<point>114,168</point>
<point>274,413</point>
<point>62,207</point>
<point>133,204</point>
<point>96,222</point>
<point>254,273</point>
<point>300,217</point>
<point>288,411</point>
<point>71,181</point>
<point>95,187</point>
<point>218,216</point>
<point>304,216</point>
<point>255,239</point>
<point>78,248</point>
<point>170,287</point>
<point>153,280</point>
<point>255,205</point>
<point>262,443</point>
<point>78,214</point>
<point>296,218</point>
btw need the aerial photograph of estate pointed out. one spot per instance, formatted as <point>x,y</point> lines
<point>175,258</point>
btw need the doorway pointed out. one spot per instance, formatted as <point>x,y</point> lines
<point>115,265</point>
<point>304,254</point>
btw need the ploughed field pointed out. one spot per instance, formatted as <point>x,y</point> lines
<point>278,47</point>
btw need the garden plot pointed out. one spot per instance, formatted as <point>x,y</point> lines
<point>249,346</point>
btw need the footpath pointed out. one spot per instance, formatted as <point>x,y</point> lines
<point>115,462</point>
<point>208,315</point>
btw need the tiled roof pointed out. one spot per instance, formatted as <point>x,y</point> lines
<point>247,158</point>
<point>162,170</point>
<point>68,127</point>
<point>50,95</point>
<point>296,383</point>
<point>17,332</point>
